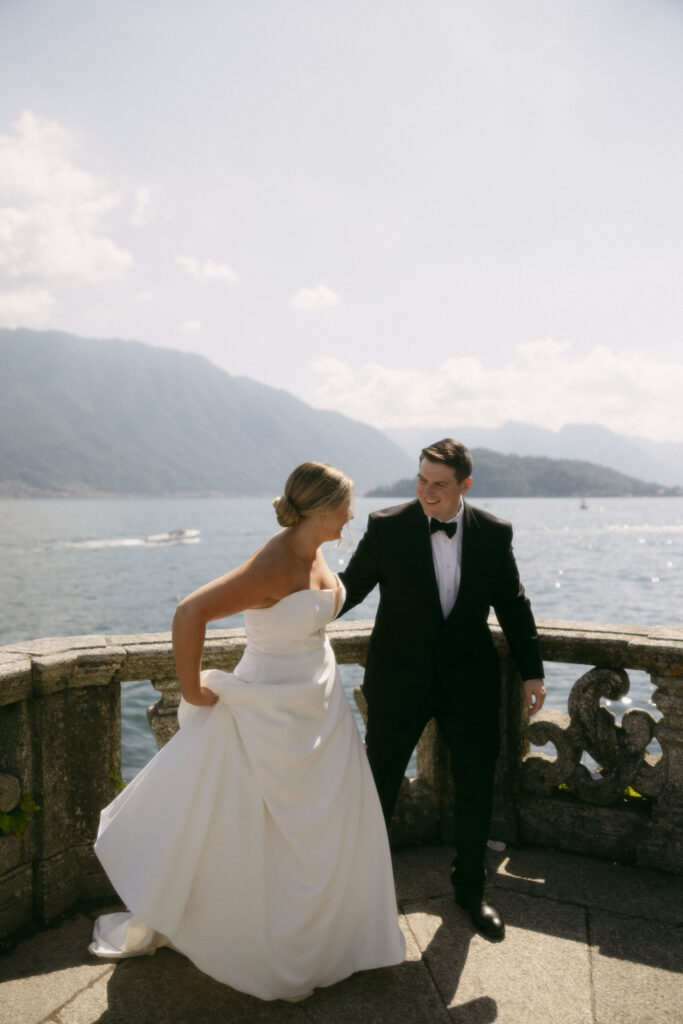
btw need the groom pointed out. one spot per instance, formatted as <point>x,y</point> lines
<point>441,565</point>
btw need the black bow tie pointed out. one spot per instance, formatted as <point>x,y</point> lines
<point>448,528</point>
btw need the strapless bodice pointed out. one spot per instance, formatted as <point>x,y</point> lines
<point>293,626</point>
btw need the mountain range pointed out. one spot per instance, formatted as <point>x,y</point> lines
<point>635,456</point>
<point>82,417</point>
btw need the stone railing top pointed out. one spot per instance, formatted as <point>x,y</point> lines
<point>654,649</point>
<point>46,664</point>
<point>549,629</point>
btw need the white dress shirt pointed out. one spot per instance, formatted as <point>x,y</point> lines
<point>447,555</point>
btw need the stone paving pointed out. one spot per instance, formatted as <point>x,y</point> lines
<point>588,942</point>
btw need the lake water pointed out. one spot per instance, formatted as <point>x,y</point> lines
<point>118,566</point>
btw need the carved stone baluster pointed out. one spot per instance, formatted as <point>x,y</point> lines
<point>618,750</point>
<point>665,841</point>
<point>542,773</point>
<point>163,716</point>
<point>668,698</point>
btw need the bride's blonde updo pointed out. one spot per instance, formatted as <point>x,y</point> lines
<point>311,487</point>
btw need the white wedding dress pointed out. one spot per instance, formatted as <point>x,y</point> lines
<point>253,842</point>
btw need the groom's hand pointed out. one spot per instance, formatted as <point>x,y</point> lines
<point>534,695</point>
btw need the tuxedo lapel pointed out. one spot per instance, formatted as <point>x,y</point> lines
<point>470,545</point>
<point>423,562</point>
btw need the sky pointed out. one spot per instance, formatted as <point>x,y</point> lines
<point>417,213</point>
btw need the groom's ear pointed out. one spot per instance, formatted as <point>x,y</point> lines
<point>466,484</point>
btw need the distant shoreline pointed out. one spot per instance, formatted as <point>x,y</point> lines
<point>671,492</point>
<point>530,476</point>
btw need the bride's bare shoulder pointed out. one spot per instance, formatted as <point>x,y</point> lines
<point>272,553</point>
<point>272,561</point>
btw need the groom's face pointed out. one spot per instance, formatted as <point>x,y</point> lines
<point>438,489</point>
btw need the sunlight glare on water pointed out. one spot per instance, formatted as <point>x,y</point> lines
<point>121,566</point>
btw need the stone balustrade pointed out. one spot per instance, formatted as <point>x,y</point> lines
<point>60,743</point>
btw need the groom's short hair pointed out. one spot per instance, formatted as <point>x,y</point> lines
<point>453,454</point>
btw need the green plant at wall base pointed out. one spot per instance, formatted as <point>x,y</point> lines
<point>14,822</point>
<point>117,780</point>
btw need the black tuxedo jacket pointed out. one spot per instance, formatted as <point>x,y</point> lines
<point>418,658</point>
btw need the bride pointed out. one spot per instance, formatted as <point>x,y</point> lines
<point>254,842</point>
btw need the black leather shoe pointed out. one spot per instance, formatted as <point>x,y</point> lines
<point>484,917</point>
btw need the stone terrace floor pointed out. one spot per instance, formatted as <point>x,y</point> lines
<point>587,941</point>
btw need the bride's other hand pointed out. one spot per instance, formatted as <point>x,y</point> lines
<point>204,699</point>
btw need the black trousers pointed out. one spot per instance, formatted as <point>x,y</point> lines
<point>390,742</point>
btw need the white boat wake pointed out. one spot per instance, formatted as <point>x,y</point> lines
<point>151,540</point>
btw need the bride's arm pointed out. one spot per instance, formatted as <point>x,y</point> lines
<point>251,585</point>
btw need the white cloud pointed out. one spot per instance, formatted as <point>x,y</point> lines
<point>52,223</point>
<point>312,299</point>
<point>142,213</point>
<point>192,326</point>
<point>25,307</point>
<point>144,296</point>
<point>207,270</point>
<point>545,384</point>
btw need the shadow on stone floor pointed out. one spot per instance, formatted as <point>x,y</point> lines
<point>483,1010</point>
<point>47,948</point>
<point>647,943</point>
<point>167,987</point>
<point>442,934</point>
